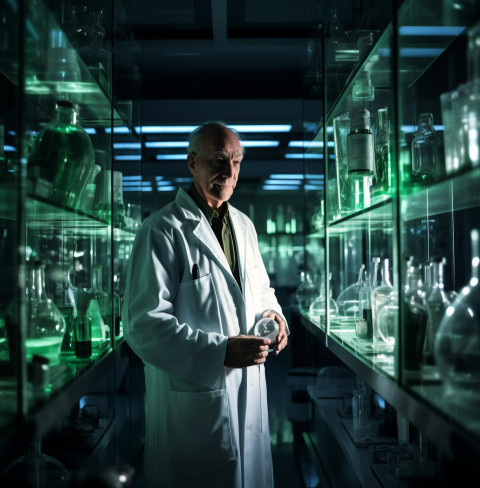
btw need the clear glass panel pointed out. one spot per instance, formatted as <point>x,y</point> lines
<point>439,203</point>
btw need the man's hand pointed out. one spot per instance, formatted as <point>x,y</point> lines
<point>282,337</point>
<point>243,351</point>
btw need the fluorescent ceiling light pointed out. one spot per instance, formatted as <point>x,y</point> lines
<point>9,148</point>
<point>430,30</point>
<point>260,143</point>
<point>165,129</point>
<point>279,187</point>
<point>132,178</point>
<point>166,188</point>
<point>262,128</point>
<point>282,182</point>
<point>297,176</point>
<point>303,156</point>
<point>128,157</point>
<point>171,156</point>
<point>165,144</point>
<point>159,178</point>
<point>314,187</point>
<point>183,180</point>
<point>138,188</point>
<point>117,130</point>
<point>90,130</point>
<point>305,144</point>
<point>129,184</point>
<point>164,183</point>
<point>127,145</point>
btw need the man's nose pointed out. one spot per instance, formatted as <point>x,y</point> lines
<point>228,168</point>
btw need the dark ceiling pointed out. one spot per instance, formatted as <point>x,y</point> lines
<point>218,49</point>
<point>240,61</point>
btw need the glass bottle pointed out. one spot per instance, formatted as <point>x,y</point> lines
<point>437,304</point>
<point>98,310</point>
<point>415,319</point>
<point>45,323</point>
<point>306,292</point>
<point>360,148</point>
<point>363,321</point>
<point>457,343</point>
<point>348,299</point>
<point>62,154</point>
<point>382,151</point>
<point>380,296</point>
<point>426,161</point>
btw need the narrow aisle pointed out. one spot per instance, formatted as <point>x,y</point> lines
<point>281,429</point>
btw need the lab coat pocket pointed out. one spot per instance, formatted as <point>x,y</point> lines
<point>197,304</point>
<point>199,425</point>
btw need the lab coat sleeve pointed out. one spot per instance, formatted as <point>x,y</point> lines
<point>150,325</point>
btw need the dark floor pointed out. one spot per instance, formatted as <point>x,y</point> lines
<point>281,429</point>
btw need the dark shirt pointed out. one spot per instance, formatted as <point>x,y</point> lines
<point>222,227</point>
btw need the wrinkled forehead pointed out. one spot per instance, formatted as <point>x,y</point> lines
<point>222,140</point>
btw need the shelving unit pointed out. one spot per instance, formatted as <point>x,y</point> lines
<point>417,56</point>
<point>43,60</point>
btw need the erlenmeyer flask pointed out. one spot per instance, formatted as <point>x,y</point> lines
<point>45,323</point>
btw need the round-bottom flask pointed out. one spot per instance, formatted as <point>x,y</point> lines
<point>457,343</point>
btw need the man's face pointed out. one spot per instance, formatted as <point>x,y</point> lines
<point>216,167</point>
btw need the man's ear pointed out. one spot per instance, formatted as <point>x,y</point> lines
<point>191,163</point>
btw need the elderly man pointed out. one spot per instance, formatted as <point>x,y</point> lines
<point>196,287</point>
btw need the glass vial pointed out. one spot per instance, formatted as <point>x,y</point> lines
<point>381,180</point>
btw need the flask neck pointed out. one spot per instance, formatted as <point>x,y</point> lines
<point>475,237</point>
<point>386,273</point>
<point>66,115</point>
<point>38,288</point>
<point>97,277</point>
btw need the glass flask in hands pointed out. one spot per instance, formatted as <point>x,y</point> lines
<point>268,328</point>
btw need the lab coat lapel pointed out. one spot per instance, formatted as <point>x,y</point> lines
<point>240,231</point>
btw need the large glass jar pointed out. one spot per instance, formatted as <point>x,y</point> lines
<point>62,156</point>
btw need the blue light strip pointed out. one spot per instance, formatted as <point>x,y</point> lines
<point>430,30</point>
<point>127,145</point>
<point>117,130</point>
<point>165,144</point>
<point>262,128</point>
<point>306,144</point>
<point>280,187</point>
<point>303,156</point>
<point>297,176</point>
<point>128,157</point>
<point>260,143</point>
<point>171,157</point>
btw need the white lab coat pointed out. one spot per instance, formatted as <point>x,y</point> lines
<point>207,425</point>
